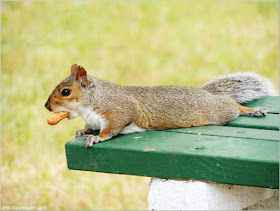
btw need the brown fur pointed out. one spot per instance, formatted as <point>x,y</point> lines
<point>244,110</point>
<point>56,99</point>
<point>111,128</point>
<point>76,94</point>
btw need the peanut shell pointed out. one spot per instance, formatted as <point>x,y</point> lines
<point>57,117</point>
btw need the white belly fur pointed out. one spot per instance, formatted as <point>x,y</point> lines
<point>92,119</point>
<point>96,121</point>
<point>132,128</point>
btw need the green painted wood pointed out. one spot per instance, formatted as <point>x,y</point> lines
<point>225,131</point>
<point>163,154</point>
<point>269,122</point>
<point>271,103</point>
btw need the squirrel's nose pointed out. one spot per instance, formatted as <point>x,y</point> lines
<point>48,106</point>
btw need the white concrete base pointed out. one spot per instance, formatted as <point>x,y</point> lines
<point>195,195</point>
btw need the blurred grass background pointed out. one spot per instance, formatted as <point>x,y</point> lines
<point>129,43</point>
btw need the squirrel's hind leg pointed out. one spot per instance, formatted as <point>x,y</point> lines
<point>257,111</point>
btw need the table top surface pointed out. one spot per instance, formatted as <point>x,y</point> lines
<point>244,152</point>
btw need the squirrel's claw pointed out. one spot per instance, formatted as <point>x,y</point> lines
<point>90,140</point>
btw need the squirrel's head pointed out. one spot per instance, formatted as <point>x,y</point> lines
<point>67,96</point>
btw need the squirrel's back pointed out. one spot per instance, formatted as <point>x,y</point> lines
<point>179,106</point>
<point>164,107</point>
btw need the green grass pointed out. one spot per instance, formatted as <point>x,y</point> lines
<point>129,43</point>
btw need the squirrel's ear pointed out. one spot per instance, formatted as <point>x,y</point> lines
<point>81,76</point>
<point>74,69</point>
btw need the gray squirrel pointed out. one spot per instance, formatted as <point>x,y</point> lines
<point>115,109</point>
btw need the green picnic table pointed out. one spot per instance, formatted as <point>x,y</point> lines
<point>244,152</point>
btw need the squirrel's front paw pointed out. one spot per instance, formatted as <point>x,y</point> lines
<point>90,140</point>
<point>79,133</point>
<point>83,132</point>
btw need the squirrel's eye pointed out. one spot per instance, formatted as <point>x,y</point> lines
<point>66,92</point>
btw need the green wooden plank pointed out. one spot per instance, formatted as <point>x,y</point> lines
<point>269,122</point>
<point>225,131</point>
<point>162,154</point>
<point>271,103</point>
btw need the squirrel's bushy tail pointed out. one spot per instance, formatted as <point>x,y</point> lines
<point>242,86</point>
